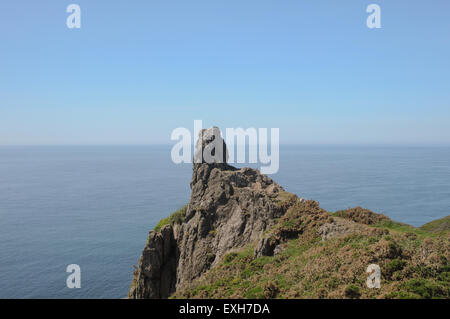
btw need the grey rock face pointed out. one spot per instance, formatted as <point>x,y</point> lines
<point>155,277</point>
<point>228,209</point>
<point>210,147</point>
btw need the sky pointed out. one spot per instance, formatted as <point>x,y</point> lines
<point>136,70</point>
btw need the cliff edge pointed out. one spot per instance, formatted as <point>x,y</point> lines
<point>243,236</point>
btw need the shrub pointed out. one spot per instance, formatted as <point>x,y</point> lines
<point>229,258</point>
<point>393,266</point>
<point>362,216</point>
<point>426,289</point>
<point>352,291</point>
<point>270,290</point>
<point>394,250</point>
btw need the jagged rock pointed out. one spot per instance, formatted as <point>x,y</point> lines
<point>228,209</point>
<point>156,273</point>
<point>278,249</point>
<point>265,247</point>
<point>210,147</point>
<point>232,208</point>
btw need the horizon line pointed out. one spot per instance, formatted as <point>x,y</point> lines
<point>281,144</point>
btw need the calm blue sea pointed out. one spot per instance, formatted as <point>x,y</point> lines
<point>94,205</point>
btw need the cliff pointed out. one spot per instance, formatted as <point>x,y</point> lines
<point>242,236</point>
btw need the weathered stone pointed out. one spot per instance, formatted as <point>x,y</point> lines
<point>228,209</point>
<point>154,277</point>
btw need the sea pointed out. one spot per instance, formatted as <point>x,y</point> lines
<point>94,205</point>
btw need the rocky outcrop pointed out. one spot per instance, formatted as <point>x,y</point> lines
<point>243,236</point>
<point>155,277</point>
<point>229,208</point>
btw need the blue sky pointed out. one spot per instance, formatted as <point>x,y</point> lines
<point>138,69</point>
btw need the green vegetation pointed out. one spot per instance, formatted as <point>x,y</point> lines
<point>228,283</point>
<point>436,226</point>
<point>213,232</point>
<point>413,262</point>
<point>284,198</point>
<point>352,291</point>
<point>176,218</point>
<point>419,288</point>
<point>402,228</point>
<point>361,215</point>
<point>393,266</point>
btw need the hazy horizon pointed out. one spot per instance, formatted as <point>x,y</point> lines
<point>281,144</point>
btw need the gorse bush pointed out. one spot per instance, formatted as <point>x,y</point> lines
<point>393,266</point>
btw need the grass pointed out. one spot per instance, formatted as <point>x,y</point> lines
<point>403,228</point>
<point>175,218</point>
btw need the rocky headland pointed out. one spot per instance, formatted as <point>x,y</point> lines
<point>243,236</point>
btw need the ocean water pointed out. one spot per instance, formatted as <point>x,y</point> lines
<point>94,205</point>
